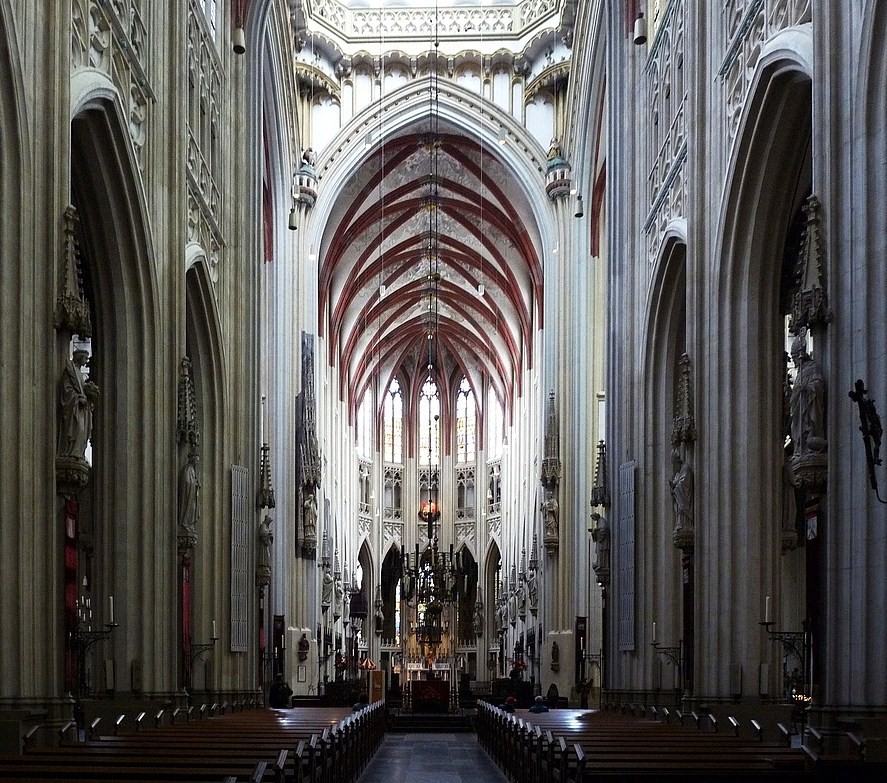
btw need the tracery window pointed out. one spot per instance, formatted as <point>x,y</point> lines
<point>429,424</point>
<point>392,446</point>
<point>466,423</point>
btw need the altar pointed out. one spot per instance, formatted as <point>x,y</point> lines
<point>430,695</point>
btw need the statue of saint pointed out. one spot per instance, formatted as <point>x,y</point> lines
<point>554,149</point>
<point>807,403</point>
<point>309,518</point>
<point>326,590</point>
<point>600,534</point>
<point>189,495</point>
<point>78,396</point>
<point>550,511</point>
<point>532,591</point>
<point>681,484</point>
<point>339,595</point>
<point>266,538</point>
<point>478,618</point>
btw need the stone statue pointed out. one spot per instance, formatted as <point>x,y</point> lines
<point>532,591</point>
<point>478,618</point>
<point>263,564</point>
<point>189,496</point>
<point>304,646</point>
<point>681,484</point>
<point>600,534</point>
<point>78,396</point>
<point>512,607</point>
<point>379,617</point>
<point>807,403</point>
<point>326,591</point>
<point>550,513</point>
<point>554,149</point>
<point>309,157</point>
<point>309,518</point>
<point>339,596</point>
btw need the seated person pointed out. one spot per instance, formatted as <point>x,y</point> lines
<point>553,696</point>
<point>539,705</point>
<point>279,694</point>
<point>362,701</point>
<point>509,704</point>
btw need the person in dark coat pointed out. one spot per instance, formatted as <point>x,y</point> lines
<point>279,694</point>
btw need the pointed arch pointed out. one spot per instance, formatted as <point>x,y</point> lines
<point>666,342</point>
<point>769,175</point>
<point>129,486</point>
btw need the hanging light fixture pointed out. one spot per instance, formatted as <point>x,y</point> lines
<point>431,578</point>
<point>579,211</point>
<point>640,29</point>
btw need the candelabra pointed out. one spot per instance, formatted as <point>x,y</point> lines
<point>675,655</point>
<point>84,640</point>
<point>199,649</point>
<point>595,659</point>
<point>795,649</point>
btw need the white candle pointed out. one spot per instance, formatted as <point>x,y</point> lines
<point>214,630</point>
<point>767,609</point>
<point>111,608</point>
<point>654,632</point>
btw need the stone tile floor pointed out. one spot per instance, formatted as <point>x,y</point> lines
<point>431,758</point>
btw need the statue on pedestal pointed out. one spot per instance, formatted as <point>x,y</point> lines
<point>681,484</point>
<point>189,499</point>
<point>77,400</point>
<point>807,405</point>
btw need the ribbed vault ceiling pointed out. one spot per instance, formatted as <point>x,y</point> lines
<point>382,285</point>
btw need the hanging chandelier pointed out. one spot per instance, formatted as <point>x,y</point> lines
<point>432,583</point>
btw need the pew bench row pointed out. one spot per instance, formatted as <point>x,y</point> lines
<point>309,745</point>
<point>580,745</point>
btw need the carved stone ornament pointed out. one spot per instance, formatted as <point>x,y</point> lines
<point>72,309</point>
<point>810,302</point>
<point>551,463</point>
<point>187,429</point>
<point>266,488</point>
<point>684,422</point>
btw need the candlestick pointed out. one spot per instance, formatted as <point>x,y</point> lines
<point>111,608</point>
<point>214,634</point>
<point>654,632</point>
<point>767,618</point>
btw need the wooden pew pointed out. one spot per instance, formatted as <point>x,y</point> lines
<point>581,744</point>
<point>327,745</point>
